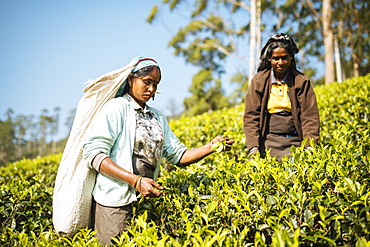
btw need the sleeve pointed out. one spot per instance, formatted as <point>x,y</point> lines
<point>97,160</point>
<point>252,114</point>
<point>106,128</point>
<point>309,111</point>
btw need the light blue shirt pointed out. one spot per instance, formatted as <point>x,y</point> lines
<point>274,80</point>
<point>113,133</point>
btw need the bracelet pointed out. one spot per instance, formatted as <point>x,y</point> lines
<point>138,183</point>
<point>135,181</point>
<point>211,144</point>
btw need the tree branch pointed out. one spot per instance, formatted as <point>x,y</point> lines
<point>223,50</point>
<point>240,4</point>
<point>316,14</point>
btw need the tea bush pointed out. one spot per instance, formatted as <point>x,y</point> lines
<point>321,197</point>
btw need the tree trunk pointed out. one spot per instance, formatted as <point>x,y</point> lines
<point>258,28</point>
<point>328,41</point>
<point>356,64</point>
<point>338,64</point>
<point>252,42</point>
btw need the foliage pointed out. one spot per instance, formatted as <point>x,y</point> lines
<point>26,189</point>
<point>217,31</point>
<point>321,197</point>
<point>29,136</point>
<point>206,95</point>
<point>6,142</point>
<point>352,27</point>
<point>206,41</point>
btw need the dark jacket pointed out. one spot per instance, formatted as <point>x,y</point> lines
<point>304,107</point>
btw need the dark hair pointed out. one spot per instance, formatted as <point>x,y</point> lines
<point>279,40</point>
<point>145,71</point>
<point>137,74</point>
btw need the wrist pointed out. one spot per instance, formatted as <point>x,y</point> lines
<point>136,181</point>
<point>138,184</point>
<point>211,145</point>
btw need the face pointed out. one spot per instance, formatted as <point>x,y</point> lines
<point>280,62</point>
<point>143,88</point>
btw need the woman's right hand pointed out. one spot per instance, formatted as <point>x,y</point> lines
<point>252,152</point>
<point>149,187</point>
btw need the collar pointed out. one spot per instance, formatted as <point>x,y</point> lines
<point>273,78</point>
<point>135,105</point>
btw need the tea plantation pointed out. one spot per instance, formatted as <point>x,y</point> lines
<point>322,198</point>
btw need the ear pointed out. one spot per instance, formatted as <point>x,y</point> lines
<point>129,80</point>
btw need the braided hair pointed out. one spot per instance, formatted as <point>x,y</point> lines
<point>279,40</point>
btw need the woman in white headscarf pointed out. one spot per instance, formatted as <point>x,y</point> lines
<point>125,145</point>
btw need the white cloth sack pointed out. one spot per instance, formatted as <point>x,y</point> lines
<point>75,181</point>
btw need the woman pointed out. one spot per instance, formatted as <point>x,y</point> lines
<point>126,143</point>
<point>280,108</point>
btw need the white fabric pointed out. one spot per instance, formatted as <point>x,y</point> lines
<point>75,181</point>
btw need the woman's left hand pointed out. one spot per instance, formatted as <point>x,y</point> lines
<point>224,141</point>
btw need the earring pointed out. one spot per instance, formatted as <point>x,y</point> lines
<point>153,96</point>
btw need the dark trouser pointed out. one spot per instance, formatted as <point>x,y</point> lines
<point>282,135</point>
<point>279,145</point>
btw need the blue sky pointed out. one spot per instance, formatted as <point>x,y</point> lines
<point>50,48</point>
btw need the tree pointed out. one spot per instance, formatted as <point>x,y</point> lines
<point>69,121</point>
<point>352,27</point>
<point>215,26</point>
<point>328,41</point>
<point>54,127</point>
<point>255,36</point>
<point>27,136</point>
<point>20,130</point>
<point>205,97</point>
<point>45,122</point>
<point>240,79</point>
<point>320,23</point>
<point>32,135</point>
<point>7,139</point>
<point>206,42</point>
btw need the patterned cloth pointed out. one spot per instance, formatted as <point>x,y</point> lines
<point>148,134</point>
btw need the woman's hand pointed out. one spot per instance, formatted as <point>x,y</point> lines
<point>191,156</point>
<point>221,143</point>
<point>149,187</point>
<point>252,152</point>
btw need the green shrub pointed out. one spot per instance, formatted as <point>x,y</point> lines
<point>319,198</point>
<point>26,190</point>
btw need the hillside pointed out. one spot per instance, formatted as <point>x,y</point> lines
<point>320,199</point>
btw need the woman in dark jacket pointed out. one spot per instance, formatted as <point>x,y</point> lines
<point>280,109</point>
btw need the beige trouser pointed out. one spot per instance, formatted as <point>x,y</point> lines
<point>109,221</point>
